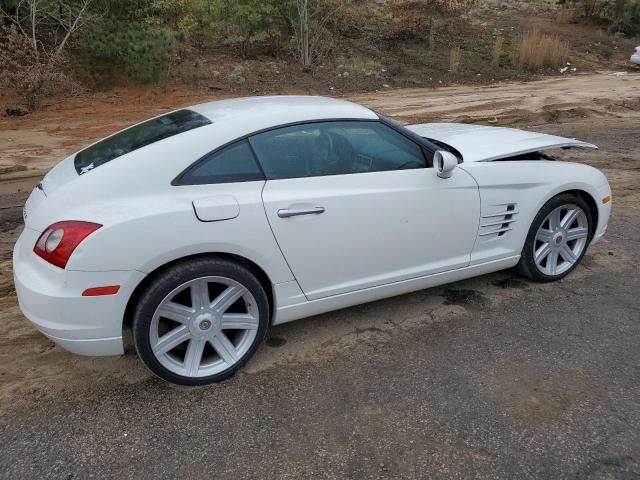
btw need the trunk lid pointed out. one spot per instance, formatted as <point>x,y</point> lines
<point>57,177</point>
<point>480,143</point>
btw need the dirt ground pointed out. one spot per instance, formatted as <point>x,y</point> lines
<point>493,377</point>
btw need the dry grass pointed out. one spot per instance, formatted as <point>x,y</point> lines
<point>455,56</point>
<point>497,51</point>
<point>535,51</point>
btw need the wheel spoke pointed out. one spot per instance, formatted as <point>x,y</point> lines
<point>176,312</point>
<point>171,340</point>
<point>544,235</point>
<point>577,233</point>
<point>554,220</point>
<point>542,253</point>
<point>569,217</point>
<point>552,263</point>
<point>567,254</point>
<point>239,321</point>
<point>193,355</point>
<point>223,346</point>
<point>200,295</point>
<point>227,298</point>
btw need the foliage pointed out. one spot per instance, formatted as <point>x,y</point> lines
<point>34,47</point>
<point>622,15</point>
<point>133,50</point>
<point>629,23</point>
<point>242,23</point>
<point>31,77</point>
<point>415,19</point>
<point>176,15</point>
<point>591,9</point>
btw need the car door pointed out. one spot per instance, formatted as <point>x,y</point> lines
<point>353,204</point>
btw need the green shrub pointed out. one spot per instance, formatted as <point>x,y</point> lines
<point>242,23</point>
<point>630,23</point>
<point>622,16</point>
<point>113,50</point>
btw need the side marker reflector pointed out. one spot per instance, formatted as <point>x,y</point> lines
<point>606,199</point>
<point>98,291</point>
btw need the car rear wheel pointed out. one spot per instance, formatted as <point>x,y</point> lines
<point>200,321</point>
<point>557,240</point>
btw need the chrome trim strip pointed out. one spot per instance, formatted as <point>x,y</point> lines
<point>501,214</point>
<point>496,231</point>
<point>493,224</point>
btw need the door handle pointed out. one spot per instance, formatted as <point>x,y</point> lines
<point>295,212</point>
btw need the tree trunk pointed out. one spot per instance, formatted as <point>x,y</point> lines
<point>305,46</point>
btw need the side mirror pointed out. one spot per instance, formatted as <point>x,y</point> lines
<point>444,163</point>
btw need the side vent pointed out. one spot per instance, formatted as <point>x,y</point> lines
<point>495,225</point>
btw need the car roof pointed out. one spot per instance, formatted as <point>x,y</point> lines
<point>283,109</point>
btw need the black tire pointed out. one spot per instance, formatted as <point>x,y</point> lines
<point>165,282</point>
<point>527,265</point>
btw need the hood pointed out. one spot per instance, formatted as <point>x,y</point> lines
<point>479,143</point>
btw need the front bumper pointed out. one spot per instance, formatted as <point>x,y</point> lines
<point>604,212</point>
<point>51,298</point>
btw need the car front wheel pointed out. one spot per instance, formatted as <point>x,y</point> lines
<point>557,240</point>
<point>199,321</point>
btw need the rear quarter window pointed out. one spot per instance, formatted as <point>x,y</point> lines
<point>234,163</point>
<point>137,137</point>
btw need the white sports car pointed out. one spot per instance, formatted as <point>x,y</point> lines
<point>200,228</point>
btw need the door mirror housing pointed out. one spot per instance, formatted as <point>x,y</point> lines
<point>444,163</point>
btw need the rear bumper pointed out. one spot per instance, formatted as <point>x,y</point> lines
<point>96,347</point>
<point>51,298</point>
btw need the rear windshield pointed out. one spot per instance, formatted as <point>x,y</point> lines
<point>137,137</point>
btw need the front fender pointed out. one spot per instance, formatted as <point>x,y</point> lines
<point>525,186</point>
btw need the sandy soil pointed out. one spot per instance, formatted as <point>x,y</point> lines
<point>602,108</point>
<point>38,141</point>
<point>592,107</point>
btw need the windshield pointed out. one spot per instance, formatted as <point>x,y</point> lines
<point>137,137</point>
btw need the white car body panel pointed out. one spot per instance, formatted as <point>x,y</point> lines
<point>293,307</point>
<point>480,143</point>
<point>527,185</point>
<point>635,58</point>
<point>382,233</point>
<point>384,226</point>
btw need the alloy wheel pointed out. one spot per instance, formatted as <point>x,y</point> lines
<point>561,240</point>
<point>204,326</point>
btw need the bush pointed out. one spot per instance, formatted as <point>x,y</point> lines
<point>415,19</point>
<point>630,22</point>
<point>31,76</point>
<point>242,23</point>
<point>139,52</point>
<point>623,17</point>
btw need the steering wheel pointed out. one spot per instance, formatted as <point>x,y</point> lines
<point>323,153</point>
<point>342,152</point>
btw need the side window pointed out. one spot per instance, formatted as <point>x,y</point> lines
<point>334,148</point>
<point>235,163</point>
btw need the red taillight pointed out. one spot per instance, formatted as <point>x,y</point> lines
<point>57,243</point>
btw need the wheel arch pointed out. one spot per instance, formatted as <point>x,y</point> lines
<point>258,271</point>
<point>575,190</point>
<point>588,199</point>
